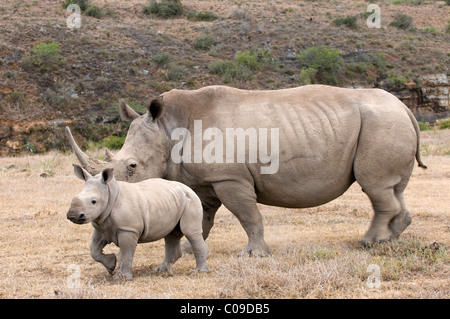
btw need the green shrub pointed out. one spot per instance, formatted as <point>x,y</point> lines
<point>165,8</point>
<point>444,124</point>
<point>204,42</point>
<point>83,4</point>
<point>348,21</point>
<point>402,21</point>
<point>114,142</point>
<point>395,81</point>
<point>94,11</point>
<point>424,126</point>
<point>45,56</point>
<point>243,65</point>
<point>161,59</point>
<point>175,72</point>
<point>307,76</point>
<point>201,16</point>
<point>447,2</point>
<point>433,30</point>
<point>327,62</point>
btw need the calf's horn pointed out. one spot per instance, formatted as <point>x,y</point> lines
<point>92,165</point>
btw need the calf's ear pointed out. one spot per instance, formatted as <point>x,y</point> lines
<point>81,173</point>
<point>107,175</point>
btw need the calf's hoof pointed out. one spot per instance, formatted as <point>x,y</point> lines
<point>110,263</point>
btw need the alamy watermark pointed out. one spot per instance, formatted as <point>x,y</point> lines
<point>74,20</point>
<point>373,20</point>
<point>227,147</point>
<point>374,279</point>
<point>73,280</point>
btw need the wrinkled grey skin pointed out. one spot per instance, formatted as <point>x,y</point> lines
<point>127,214</point>
<point>328,138</point>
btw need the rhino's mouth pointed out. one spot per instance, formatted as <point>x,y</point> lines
<point>77,218</point>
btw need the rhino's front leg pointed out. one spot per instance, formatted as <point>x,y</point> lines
<point>127,242</point>
<point>240,199</point>
<point>98,242</point>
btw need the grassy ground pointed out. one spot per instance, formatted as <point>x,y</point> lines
<point>315,252</point>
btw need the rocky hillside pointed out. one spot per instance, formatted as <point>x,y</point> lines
<point>52,75</point>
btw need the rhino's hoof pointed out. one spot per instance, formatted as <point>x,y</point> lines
<point>203,269</point>
<point>120,276</point>
<point>163,268</point>
<point>255,251</point>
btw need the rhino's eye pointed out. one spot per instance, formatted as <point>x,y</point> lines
<point>93,201</point>
<point>133,165</point>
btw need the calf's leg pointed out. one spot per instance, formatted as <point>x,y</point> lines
<point>173,251</point>
<point>98,242</point>
<point>191,227</point>
<point>127,242</point>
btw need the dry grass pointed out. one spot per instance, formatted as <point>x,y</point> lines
<point>315,252</point>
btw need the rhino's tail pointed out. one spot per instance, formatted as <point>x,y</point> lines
<point>416,128</point>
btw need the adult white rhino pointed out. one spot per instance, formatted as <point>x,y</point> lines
<point>327,138</point>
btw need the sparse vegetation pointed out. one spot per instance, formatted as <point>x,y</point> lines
<point>328,64</point>
<point>243,66</point>
<point>193,15</point>
<point>204,42</point>
<point>165,8</point>
<point>83,4</point>
<point>402,21</point>
<point>45,56</point>
<point>395,81</point>
<point>348,21</point>
<point>444,124</point>
<point>161,59</point>
<point>175,72</point>
<point>94,11</point>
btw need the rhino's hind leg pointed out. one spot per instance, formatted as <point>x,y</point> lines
<point>386,206</point>
<point>399,223</point>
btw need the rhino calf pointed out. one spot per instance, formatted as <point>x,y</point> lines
<point>127,214</point>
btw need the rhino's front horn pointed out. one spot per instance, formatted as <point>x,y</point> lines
<point>92,165</point>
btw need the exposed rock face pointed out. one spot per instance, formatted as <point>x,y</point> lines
<point>430,100</point>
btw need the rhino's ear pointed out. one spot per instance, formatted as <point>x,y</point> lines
<point>127,114</point>
<point>107,175</point>
<point>81,173</point>
<point>155,108</point>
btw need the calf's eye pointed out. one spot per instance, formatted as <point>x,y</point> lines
<point>93,202</point>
